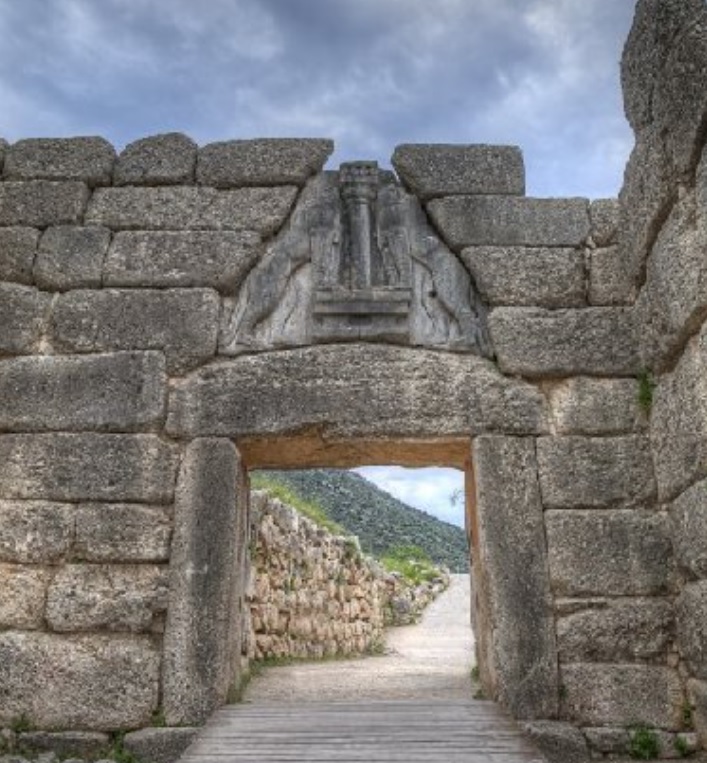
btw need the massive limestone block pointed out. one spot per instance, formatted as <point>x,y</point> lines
<point>167,159</point>
<point>559,742</point>
<point>262,210</point>
<point>354,391</point>
<point>23,316</point>
<point>597,341</point>
<point>604,218</point>
<point>510,221</point>
<point>78,682</point>
<point>40,203</point>
<point>117,597</point>
<point>623,695</point>
<point>691,607</point>
<point>18,247</point>
<point>121,532</point>
<point>609,553</point>
<point>584,472</point>
<point>616,630</point>
<point>183,323</point>
<point>89,159</point>
<point>537,276</point>
<point>34,532</point>
<point>688,515</point>
<point>203,633</point>
<point>159,745</point>
<point>517,646</point>
<point>191,258</point>
<point>583,405</point>
<point>121,392</point>
<point>262,162</point>
<point>611,279</point>
<point>87,467</point>
<point>23,592</point>
<point>71,257</point>
<point>437,169</point>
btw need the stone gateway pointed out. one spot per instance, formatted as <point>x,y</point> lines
<point>173,316</point>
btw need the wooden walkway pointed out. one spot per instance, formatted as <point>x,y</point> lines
<point>404,731</point>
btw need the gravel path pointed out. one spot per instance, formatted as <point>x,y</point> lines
<point>430,660</point>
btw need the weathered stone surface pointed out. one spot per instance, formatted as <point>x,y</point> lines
<point>261,162</point>
<point>182,323</point>
<point>558,742</point>
<point>691,609</point>
<point>516,626</point>
<point>71,257</point>
<point>623,695</point>
<point>585,472</point>
<point>528,276</point>
<point>170,258</point>
<point>23,317</point>
<point>40,203</point>
<point>89,159</point>
<point>354,391</point>
<point>679,421</point>
<point>205,577</point>
<point>437,169</point>
<point>91,467</point>
<point>167,159</point>
<point>118,597</point>
<point>23,591</point>
<point>688,515</point>
<point>620,630</point>
<point>609,553</point>
<point>120,392</point>
<point>604,219</point>
<point>66,744</point>
<point>608,740</point>
<point>98,682</point>
<point>610,280</point>
<point>583,405</point>
<point>262,210</point>
<point>18,247</point>
<point>510,221</point>
<point>159,745</point>
<point>534,342</point>
<point>121,532</point>
<point>34,532</point>
<point>4,145</point>
<point>697,692</point>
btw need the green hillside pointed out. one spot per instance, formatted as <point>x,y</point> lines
<point>380,521</point>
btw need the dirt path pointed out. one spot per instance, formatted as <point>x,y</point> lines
<point>430,660</point>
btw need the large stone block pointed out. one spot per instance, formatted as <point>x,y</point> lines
<point>604,218</point>
<point>40,203</point>
<point>262,210</point>
<point>205,578</point>
<point>167,159</point>
<point>118,597</point>
<point>78,682</point>
<point>71,257</point>
<point>182,323</point>
<point>688,515</point>
<point>18,247</point>
<point>691,608</point>
<point>23,316</point>
<point>171,258</point>
<point>23,591</point>
<point>353,391</point>
<point>33,532</point>
<point>697,692</point>
<point>598,341</point>
<point>609,553</point>
<point>611,279</point>
<point>121,532</point>
<point>159,745</point>
<point>617,630</point>
<point>85,158</point>
<point>516,625</point>
<point>585,472</point>
<point>583,405</point>
<point>262,162</point>
<point>89,745</point>
<point>436,169</point>
<point>623,695</point>
<point>559,742</point>
<point>528,276</point>
<point>87,467</point>
<point>510,221</point>
<point>120,392</point>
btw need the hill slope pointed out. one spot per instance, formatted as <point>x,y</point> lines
<point>380,521</point>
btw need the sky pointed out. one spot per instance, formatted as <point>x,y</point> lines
<point>371,74</point>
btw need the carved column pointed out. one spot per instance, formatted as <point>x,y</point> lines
<point>359,189</point>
